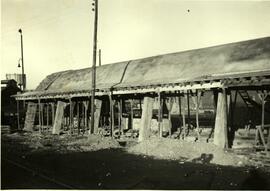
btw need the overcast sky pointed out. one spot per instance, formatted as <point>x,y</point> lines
<point>58,33</point>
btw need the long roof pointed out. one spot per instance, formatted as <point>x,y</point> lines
<point>247,59</point>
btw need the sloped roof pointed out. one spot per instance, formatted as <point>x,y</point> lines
<point>245,58</point>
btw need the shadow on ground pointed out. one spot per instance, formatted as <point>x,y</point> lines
<point>117,169</point>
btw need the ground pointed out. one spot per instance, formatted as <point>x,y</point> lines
<point>33,160</point>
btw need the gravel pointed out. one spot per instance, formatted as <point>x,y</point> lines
<point>198,152</point>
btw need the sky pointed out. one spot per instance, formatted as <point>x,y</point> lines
<point>58,34</point>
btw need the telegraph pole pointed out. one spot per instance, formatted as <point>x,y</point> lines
<point>95,9</point>
<point>23,78</point>
<point>99,56</point>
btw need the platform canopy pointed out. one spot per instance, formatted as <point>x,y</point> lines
<point>245,63</point>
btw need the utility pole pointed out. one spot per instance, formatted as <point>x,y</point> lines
<point>99,56</point>
<point>23,77</point>
<point>95,9</point>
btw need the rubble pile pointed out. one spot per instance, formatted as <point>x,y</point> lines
<point>183,150</point>
<point>94,142</point>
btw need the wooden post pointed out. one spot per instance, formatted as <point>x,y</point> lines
<point>42,115</point>
<point>169,107</point>
<point>78,117</point>
<point>85,103</point>
<point>197,101</point>
<point>262,97</point>
<point>98,104</point>
<point>268,139</point>
<point>120,116</point>
<point>131,113</point>
<point>18,114</point>
<point>184,122</point>
<point>111,114</point>
<point>159,115</point>
<point>147,112</point>
<point>39,115</point>
<point>71,115</point>
<point>140,101</point>
<point>220,131</point>
<point>179,105</point>
<point>53,112</point>
<point>58,117</point>
<point>188,107</point>
<point>47,114</point>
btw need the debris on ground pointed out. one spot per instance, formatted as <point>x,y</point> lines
<point>64,143</point>
<point>162,148</point>
<point>180,149</point>
<point>95,142</point>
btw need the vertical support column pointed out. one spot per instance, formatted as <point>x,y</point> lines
<point>169,107</point>
<point>42,115</point>
<point>131,113</point>
<point>71,115</point>
<point>53,112</point>
<point>197,104</point>
<point>58,117</point>
<point>188,107</point>
<point>120,116</point>
<point>111,114</point>
<point>86,104</point>
<point>18,114</point>
<point>78,117</point>
<point>39,115</point>
<point>180,107</point>
<point>47,115</point>
<point>231,133</point>
<point>184,121</point>
<point>98,104</point>
<point>140,101</point>
<point>221,128</point>
<point>30,116</point>
<point>160,115</point>
<point>147,112</point>
<point>262,96</point>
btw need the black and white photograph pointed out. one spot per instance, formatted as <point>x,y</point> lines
<point>135,94</point>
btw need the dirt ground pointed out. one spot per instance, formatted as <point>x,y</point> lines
<point>33,160</point>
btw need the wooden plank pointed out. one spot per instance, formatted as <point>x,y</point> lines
<point>220,131</point>
<point>58,117</point>
<point>98,104</point>
<point>30,116</point>
<point>147,112</point>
